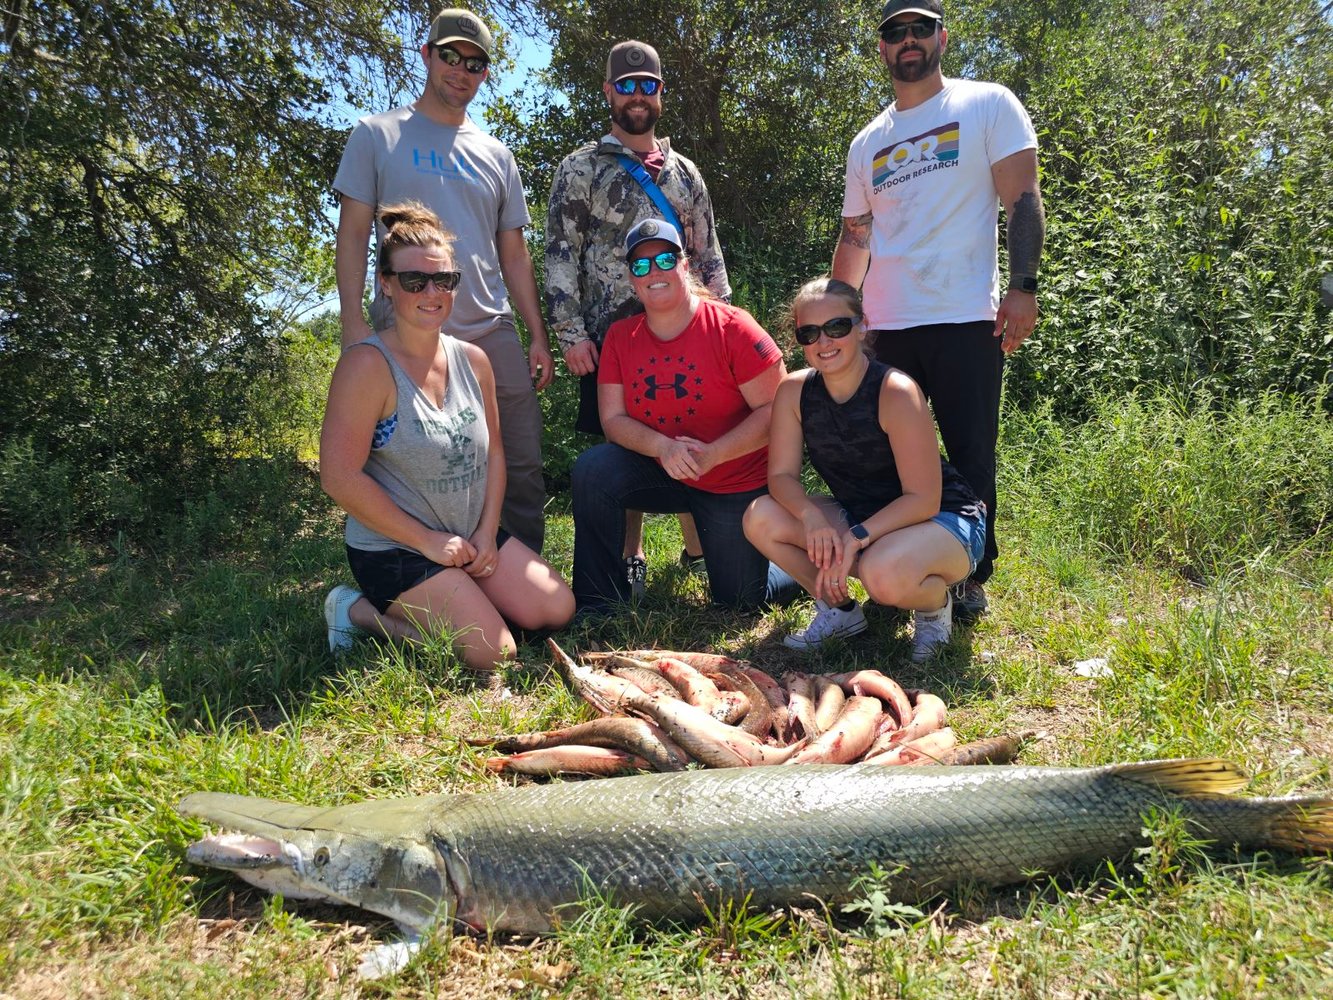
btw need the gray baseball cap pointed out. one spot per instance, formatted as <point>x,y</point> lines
<point>931,8</point>
<point>653,229</point>
<point>453,24</point>
<point>632,59</point>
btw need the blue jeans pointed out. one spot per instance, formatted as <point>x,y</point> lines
<point>609,480</point>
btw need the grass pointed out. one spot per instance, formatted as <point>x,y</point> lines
<point>128,681</point>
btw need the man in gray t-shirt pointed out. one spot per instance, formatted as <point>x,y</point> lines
<point>431,151</point>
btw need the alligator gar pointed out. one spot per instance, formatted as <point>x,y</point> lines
<point>672,844</point>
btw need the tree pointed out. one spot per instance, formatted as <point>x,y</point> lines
<point>764,97</point>
<point>164,171</point>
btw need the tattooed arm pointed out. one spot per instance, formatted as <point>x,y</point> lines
<point>851,257</point>
<point>1016,182</point>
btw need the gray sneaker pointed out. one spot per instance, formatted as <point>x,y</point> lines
<point>829,623</point>
<point>931,631</point>
<point>969,600</point>
<point>636,571</point>
<point>341,629</point>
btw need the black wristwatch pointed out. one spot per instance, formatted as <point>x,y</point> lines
<point>860,534</point>
<point>1028,285</point>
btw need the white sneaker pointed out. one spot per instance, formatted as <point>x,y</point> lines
<point>829,623</point>
<point>341,629</point>
<point>932,630</point>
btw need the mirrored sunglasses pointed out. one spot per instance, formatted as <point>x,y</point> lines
<point>895,33</point>
<point>415,281</point>
<point>475,65</point>
<point>665,261</point>
<point>646,87</point>
<point>834,329</point>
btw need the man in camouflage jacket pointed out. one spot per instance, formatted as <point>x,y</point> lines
<point>595,202</point>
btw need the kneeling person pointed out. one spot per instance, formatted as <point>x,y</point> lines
<point>410,448</point>
<point>684,392</point>
<point>901,519</point>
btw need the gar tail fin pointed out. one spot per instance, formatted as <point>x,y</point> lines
<point>1190,776</point>
<point>1302,825</point>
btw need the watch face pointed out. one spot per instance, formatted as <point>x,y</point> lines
<point>859,531</point>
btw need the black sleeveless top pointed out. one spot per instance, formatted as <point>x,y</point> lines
<point>850,450</point>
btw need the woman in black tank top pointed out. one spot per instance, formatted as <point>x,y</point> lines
<point>901,519</point>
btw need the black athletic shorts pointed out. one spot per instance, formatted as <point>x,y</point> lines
<point>384,575</point>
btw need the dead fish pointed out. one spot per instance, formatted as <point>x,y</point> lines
<point>758,718</point>
<point>618,732</point>
<point>777,702</point>
<point>829,699</point>
<point>992,750</point>
<point>801,702</point>
<point>928,715</point>
<point>882,686</point>
<point>568,759</point>
<point>645,677</point>
<point>692,686</point>
<point>925,750</point>
<point>848,736</point>
<point>676,845</point>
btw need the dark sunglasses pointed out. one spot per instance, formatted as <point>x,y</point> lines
<point>646,87</point>
<point>665,261</point>
<point>415,281</point>
<point>476,65</point>
<point>895,33</point>
<point>835,329</point>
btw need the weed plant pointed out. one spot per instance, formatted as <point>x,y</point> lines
<point>1188,550</point>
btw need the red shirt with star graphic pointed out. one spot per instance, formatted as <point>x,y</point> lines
<point>690,386</point>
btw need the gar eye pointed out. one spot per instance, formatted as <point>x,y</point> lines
<point>321,857</point>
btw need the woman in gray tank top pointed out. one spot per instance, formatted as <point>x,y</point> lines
<point>901,519</point>
<point>410,448</point>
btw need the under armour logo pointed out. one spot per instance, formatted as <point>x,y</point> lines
<point>677,386</point>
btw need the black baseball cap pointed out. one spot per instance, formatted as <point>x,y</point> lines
<point>633,59</point>
<point>931,8</point>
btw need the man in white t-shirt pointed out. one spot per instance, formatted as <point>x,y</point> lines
<point>431,151</point>
<point>920,210</point>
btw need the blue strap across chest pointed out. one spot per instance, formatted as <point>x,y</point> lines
<point>650,188</point>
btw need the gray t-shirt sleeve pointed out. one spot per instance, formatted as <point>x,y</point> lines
<point>514,212</point>
<point>357,177</point>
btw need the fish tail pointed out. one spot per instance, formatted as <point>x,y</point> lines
<point>1302,825</point>
<point>1191,776</point>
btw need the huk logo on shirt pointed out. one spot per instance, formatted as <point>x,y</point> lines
<point>933,150</point>
<point>430,162</point>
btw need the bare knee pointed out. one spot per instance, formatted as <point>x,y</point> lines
<point>887,584</point>
<point>553,610</point>
<point>760,518</point>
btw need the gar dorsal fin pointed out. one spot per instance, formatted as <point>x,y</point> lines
<point>1188,776</point>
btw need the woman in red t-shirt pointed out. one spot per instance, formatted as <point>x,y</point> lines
<point>685,391</point>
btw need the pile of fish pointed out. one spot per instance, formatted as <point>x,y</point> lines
<point>664,710</point>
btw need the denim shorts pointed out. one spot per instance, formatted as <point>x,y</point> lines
<point>970,530</point>
<point>384,575</point>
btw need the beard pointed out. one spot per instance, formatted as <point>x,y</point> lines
<point>636,118</point>
<point>918,70</point>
